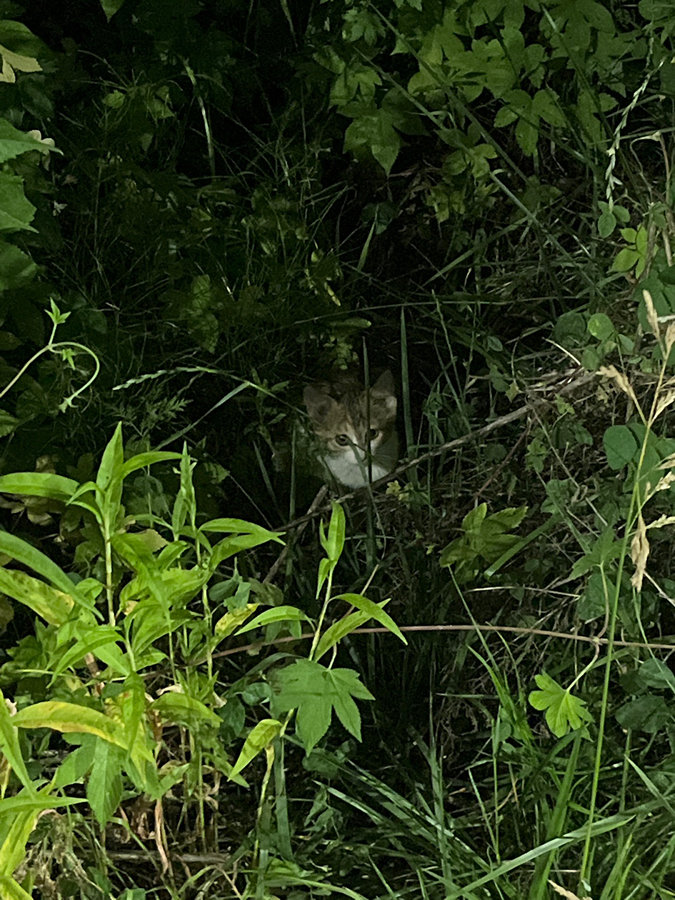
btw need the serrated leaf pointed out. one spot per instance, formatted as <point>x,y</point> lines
<point>105,784</point>
<point>315,691</point>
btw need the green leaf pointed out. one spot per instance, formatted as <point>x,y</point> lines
<point>13,849</point>
<point>143,460</point>
<point>54,606</point>
<point>259,739</point>
<point>335,541</point>
<point>8,422</point>
<point>110,7</point>
<point>239,526</point>
<point>600,326</point>
<point>91,640</point>
<point>625,260</point>
<point>105,785</point>
<point>69,717</point>
<point>277,614</point>
<point>656,674</point>
<point>647,713</point>
<point>338,630</point>
<point>228,624</point>
<point>12,890</point>
<point>375,611</point>
<point>606,224</point>
<point>563,710</point>
<point>76,765</point>
<point>11,749</point>
<point>230,546</point>
<point>14,142</point>
<point>16,211</point>
<point>315,691</point>
<point>30,556</point>
<point>621,446</point>
<point>39,484</point>
<point>178,707</point>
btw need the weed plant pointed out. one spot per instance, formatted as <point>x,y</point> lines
<point>477,194</point>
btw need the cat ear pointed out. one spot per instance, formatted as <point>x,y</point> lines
<point>385,383</point>
<point>384,390</point>
<point>318,404</point>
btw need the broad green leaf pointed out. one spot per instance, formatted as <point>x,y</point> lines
<point>13,848</point>
<point>600,326</point>
<point>375,611</point>
<point>12,141</point>
<point>228,624</point>
<point>16,211</point>
<point>259,739</point>
<point>142,460</point>
<point>54,606</point>
<point>39,484</point>
<point>12,890</point>
<point>174,706</point>
<point>8,422</point>
<point>69,717</point>
<point>656,674</point>
<point>277,614</point>
<point>17,269</point>
<point>606,224</point>
<point>621,446</point>
<point>230,546</point>
<point>647,713</point>
<point>625,260</point>
<point>25,802</point>
<point>11,749</point>
<point>30,556</point>
<point>314,691</point>
<point>105,784</point>
<point>91,640</point>
<point>76,765</point>
<point>563,710</point>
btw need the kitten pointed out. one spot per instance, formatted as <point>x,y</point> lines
<point>355,427</point>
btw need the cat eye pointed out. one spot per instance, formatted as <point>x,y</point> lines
<point>373,433</point>
<point>342,440</point>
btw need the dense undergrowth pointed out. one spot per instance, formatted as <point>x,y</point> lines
<point>219,680</point>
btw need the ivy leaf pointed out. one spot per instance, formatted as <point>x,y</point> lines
<point>315,692</point>
<point>563,711</point>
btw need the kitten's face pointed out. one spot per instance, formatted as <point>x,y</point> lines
<point>349,434</point>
